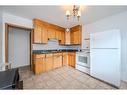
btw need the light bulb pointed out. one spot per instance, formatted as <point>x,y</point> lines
<point>79,14</point>
<point>67,29</point>
<point>68,13</point>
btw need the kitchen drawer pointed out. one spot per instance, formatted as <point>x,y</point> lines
<point>57,54</point>
<point>65,53</point>
<point>38,55</point>
<point>49,55</point>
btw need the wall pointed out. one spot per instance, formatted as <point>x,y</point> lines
<point>12,19</point>
<point>118,21</point>
<point>0,36</point>
<point>52,45</point>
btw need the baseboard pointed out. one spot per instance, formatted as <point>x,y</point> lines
<point>24,67</point>
<point>105,82</point>
<point>123,79</point>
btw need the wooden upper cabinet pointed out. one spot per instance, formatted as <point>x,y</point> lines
<point>67,38</point>
<point>43,31</point>
<point>72,37</point>
<point>76,37</point>
<point>40,32</point>
<point>57,34</point>
<point>62,41</point>
<point>51,33</point>
<point>76,34</point>
<point>37,34</point>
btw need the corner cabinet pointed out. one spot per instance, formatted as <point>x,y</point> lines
<point>76,35</point>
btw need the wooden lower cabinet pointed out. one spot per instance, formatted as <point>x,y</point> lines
<point>65,59</point>
<point>49,62</point>
<point>57,62</point>
<point>72,59</point>
<point>39,64</point>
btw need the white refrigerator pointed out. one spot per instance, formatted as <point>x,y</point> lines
<point>105,56</point>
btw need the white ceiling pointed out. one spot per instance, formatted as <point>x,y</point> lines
<point>56,14</point>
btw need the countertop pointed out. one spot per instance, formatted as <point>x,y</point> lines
<point>52,51</point>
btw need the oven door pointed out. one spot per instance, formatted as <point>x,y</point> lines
<point>83,60</point>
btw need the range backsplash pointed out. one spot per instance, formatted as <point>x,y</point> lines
<point>53,45</point>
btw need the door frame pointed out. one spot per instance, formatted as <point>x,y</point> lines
<point>7,26</point>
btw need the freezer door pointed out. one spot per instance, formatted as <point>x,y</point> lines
<point>106,39</point>
<point>105,65</point>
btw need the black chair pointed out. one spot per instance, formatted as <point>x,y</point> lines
<point>10,79</point>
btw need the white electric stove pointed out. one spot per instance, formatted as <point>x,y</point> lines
<point>83,61</point>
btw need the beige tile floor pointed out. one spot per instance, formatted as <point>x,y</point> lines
<point>63,78</point>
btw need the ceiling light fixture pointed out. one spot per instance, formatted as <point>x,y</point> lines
<point>75,12</point>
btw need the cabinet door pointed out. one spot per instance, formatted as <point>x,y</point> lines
<point>38,63</point>
<point>44,34</point>
<point>37,34</point>
<point>49,62</point>
<point>71,59</point>
<point>57,61</point>
<point>57,34</point>
<point>51,33</point>
<point>72,37</point>
<point>43,65</point>
<point>64,61</point>
<point>76,37</point>
<point>62,37</point>
<point>67,38</point>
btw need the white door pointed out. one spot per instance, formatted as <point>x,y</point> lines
<point>19,47</point>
